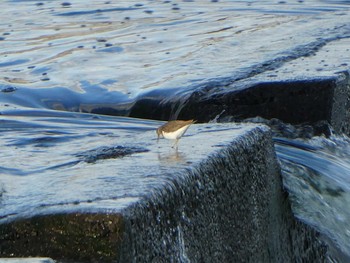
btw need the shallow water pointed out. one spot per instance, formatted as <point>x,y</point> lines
<point>55,159</point>
<point>62,161</point>
<point>83,56</point>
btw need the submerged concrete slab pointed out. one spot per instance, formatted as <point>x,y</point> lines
<point>304,82</point>
<point>295,101</point>
<point>218,199</point>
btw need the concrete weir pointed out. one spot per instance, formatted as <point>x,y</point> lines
<point>293,100</point>
<point>218,199</point>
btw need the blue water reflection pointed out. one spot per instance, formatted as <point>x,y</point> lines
<point>316,173</point>
<point>53,51</point>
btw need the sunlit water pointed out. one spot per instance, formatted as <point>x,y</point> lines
<point>81,55</point>
<point>63,161</point>
<point>58,160</point>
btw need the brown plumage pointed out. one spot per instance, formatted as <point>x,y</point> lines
<point>174,130</point>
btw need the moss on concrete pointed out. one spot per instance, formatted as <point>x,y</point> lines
<point>70,237</point>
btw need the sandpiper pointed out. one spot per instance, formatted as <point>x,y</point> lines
<point>173,130</point>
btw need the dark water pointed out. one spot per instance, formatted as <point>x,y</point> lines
<point>59,59</point>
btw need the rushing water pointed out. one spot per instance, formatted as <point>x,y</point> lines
<point>316,173</point>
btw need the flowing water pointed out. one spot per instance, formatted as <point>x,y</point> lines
<point>99,56</point>
<point>316,173</point>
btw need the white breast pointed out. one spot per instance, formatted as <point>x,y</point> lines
<point>176,134</point>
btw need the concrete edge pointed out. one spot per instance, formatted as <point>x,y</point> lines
<point>230,208</point>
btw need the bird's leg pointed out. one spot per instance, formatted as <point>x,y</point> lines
<point>175,144</point>
<point>159,134</point>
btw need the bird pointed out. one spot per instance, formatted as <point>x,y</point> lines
<point>173,130</point>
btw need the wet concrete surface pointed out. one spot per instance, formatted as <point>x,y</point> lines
<point>218,198</point>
